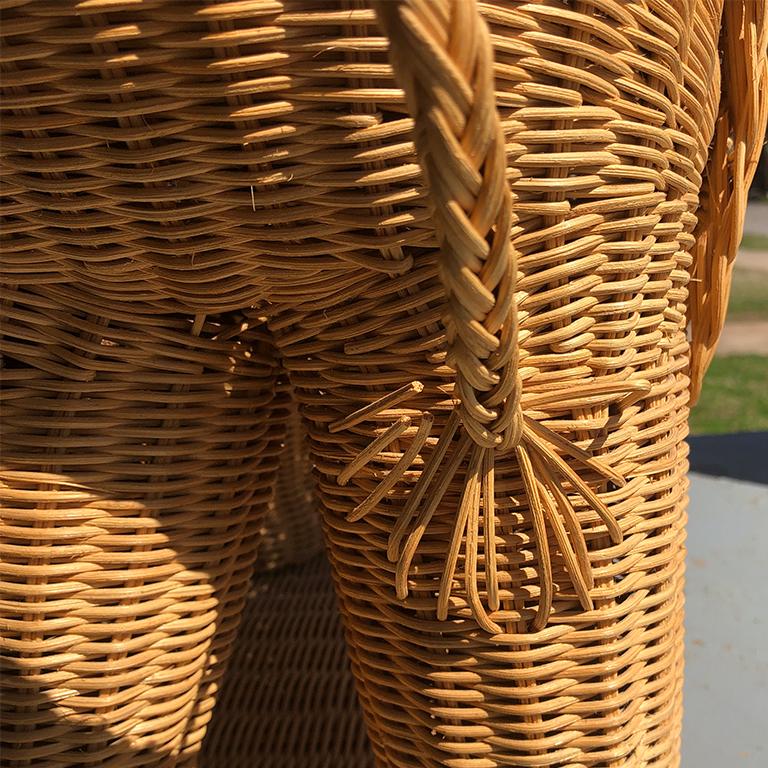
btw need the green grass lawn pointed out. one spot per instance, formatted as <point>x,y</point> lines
<point>749,295</point>
<point>734,397</point>
<point>752,242</point>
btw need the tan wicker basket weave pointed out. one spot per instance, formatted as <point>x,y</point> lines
<point>289,672</point>
<point>473,237</point>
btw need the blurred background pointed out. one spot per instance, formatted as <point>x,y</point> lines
<point>735,394</point>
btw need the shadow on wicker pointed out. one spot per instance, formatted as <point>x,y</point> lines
<point>288,695</point>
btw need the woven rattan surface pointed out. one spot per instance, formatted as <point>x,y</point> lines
<point>291,531</point>
<point>139,451</point>
<point>479,288</point>
<point>288,699</point>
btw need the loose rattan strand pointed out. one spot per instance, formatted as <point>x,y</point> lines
<point>200,199</point>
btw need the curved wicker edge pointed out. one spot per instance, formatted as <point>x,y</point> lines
<point>738,139</point>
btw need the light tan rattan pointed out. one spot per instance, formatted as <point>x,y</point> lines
<point>733,157</point>
<point>479,288</point>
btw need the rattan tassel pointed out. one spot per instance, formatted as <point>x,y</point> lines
<point>543,471</point>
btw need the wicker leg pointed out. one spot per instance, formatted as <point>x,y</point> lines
<point>139,455</point>
<point>597,687</point>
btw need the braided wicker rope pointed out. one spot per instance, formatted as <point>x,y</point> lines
<point>461,145</point>
<point>482,312</point>
<point>458,133</point>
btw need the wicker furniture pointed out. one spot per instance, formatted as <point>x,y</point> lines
<point>467,240</point>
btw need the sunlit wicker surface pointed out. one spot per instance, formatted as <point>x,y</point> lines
<point>203,196</point>
<point>140,451</point>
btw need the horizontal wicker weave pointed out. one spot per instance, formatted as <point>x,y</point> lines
<point>139,450</point>
<point>290,674</point>
<point>469,236</point>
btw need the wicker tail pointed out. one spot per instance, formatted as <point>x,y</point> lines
<point>466,233</point>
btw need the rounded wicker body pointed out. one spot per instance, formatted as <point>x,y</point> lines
<point>483,321</point>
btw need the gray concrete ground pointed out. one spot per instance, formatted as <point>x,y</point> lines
<point>756,220</point>
<point>756,260</point>
<point>744,337</point>
<point>726,676</point>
